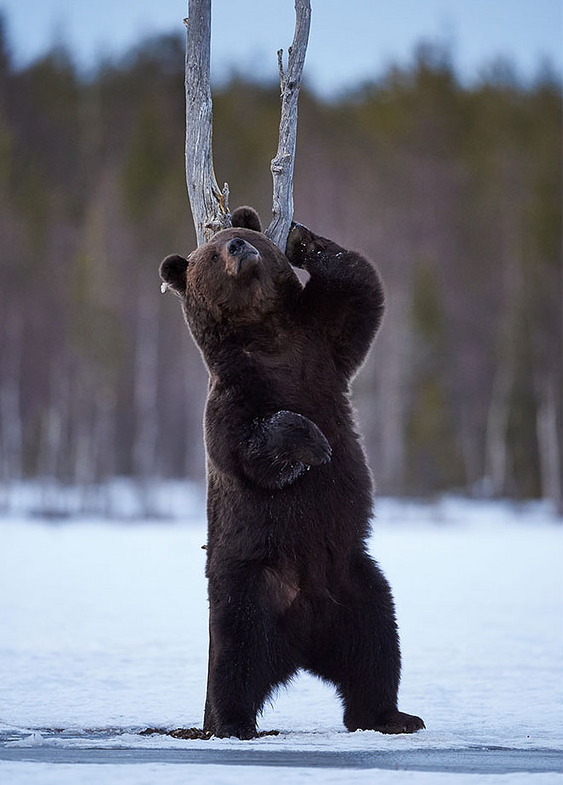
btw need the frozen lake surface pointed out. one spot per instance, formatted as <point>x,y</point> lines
<point>104,633</point>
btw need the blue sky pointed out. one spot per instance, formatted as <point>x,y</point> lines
<point>351,40</point>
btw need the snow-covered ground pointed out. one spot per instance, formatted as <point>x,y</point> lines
<point>104,628</point>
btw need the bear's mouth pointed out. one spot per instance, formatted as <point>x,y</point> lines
<point>241,256</point>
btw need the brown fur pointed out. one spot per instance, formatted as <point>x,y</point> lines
<point>291,584</point>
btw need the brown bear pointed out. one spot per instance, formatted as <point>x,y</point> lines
<point>289,501</point>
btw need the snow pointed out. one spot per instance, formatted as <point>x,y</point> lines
<point>104,633</point>
<point>177,774</point>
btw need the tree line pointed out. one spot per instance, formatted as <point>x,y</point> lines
<point>454,191</point>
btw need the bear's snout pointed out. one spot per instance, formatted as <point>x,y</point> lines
<point>241,254</point>
<point>236,246</point>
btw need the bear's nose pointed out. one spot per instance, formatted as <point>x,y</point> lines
<point>236,246</point>
<point>241,256</point>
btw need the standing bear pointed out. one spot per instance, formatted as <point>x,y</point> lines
<point>289,497</point>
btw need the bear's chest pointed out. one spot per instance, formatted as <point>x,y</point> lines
<point>297,373</point>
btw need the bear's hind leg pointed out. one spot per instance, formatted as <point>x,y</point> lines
<point>357,648</point>
<point>248,658</point>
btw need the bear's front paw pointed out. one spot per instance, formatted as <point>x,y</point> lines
<point>301,243</point>
<point>293,437</point>
<point>313,451</point>
<point>282,447</point>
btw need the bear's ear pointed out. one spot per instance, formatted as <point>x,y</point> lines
<point>173,273</point>
<point>246,218</point>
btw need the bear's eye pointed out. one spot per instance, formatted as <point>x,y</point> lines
<point>214,256</point>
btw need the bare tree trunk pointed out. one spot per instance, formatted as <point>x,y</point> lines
<point>10,410</point>
<point>84,463</point>
<point>210,208</point>
<point>146,408</point>
<point>470,447</point>
<point>496,438</point>
<point>393,345</point>
<point>282,164</point>
<point>497,422</point>
<point>194,380</point>
<point>548,442</point>
<point>104,429</point>
<point>56,420</point>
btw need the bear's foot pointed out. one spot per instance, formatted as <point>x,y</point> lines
<point>393,723</point>
<point>402,723</point>
<point>236,731</point>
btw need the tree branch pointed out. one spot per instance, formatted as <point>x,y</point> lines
<point>209,204</point>
<point>210,208</point>
<point>282,164</point>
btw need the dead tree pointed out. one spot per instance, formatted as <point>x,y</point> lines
<point>282,164</point>
<point>209,204</point>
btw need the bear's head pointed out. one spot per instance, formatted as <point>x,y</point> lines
<point>238,278</point>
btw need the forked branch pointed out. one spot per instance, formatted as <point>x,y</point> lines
<point>282,164</point>
<point>208,202</point>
